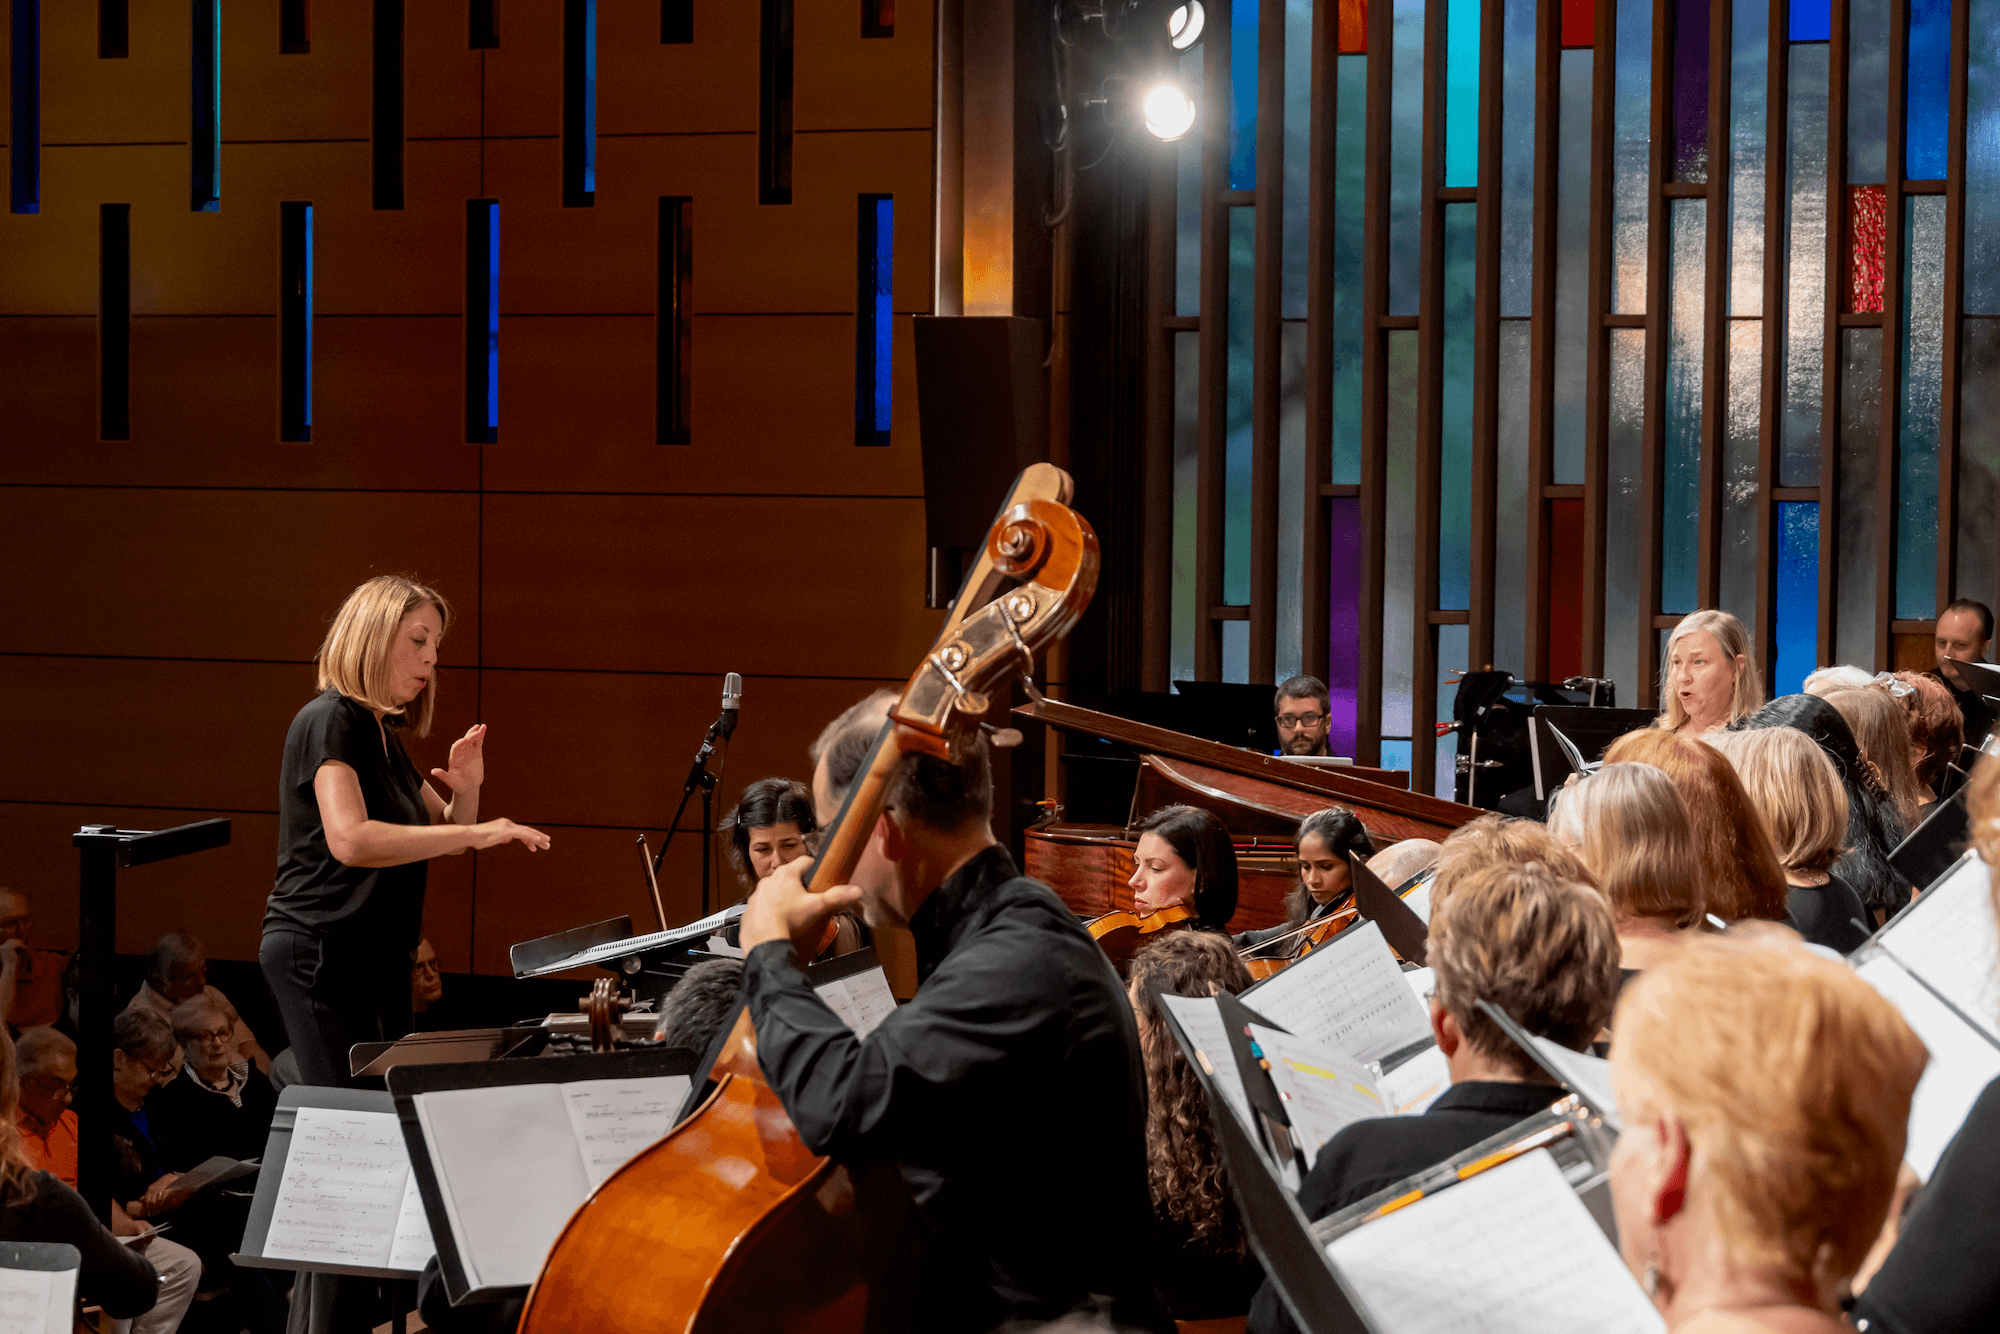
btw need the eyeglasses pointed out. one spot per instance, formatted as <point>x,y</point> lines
<point>216,1035</point>
<point>56,1088</point>
<point>159,1074</point>
<point>17,925</point>
<point>1293,722</point>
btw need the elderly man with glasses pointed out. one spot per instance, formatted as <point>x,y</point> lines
<point>47,1063</point>
<point>1304,709</point>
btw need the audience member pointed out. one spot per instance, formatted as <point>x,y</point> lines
<point>177,968</point>
<point>31,992</point>
<point>1937,729</point>
<point>1304,712</point>
<point>1740,875</point>
<point>694,1012</point>
<point>1206,1270</point>
<point>426,977</point>
<point>47,1062</point>
<point>1499,840</point>
<point>1708,674</point>
<point>1629,825</point>
<point>1881,728</point>
<point>1542,949</point>
<point>1764,1091</point>
<point>219,1105</point>
<point>1795,789</point>
<point>1185,856</point>
<point>1324,840</point>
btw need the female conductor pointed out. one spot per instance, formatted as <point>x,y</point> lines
<point>357,823</point>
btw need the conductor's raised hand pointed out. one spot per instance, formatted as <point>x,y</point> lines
<point>782,908</point>
<point>466,769</point>
<point>492,833</point>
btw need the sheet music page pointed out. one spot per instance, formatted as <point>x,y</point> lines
<point>413,1246</point>
<point>1510,1251</point>
<point>1419,900</point>
<point>1588,1074</point>
<point>835,995</point>
<point>1422,982</point>
<point>1349,994</point>
<point>37,1301</point>
<point>1201,1019</point>
<point>342,1190</point>
<point>1947,938</point>
<point>614,1120</point>
<point>1413,1086</point>
<point>511,1173</point>
<point>1962,1063</point>
<point>1324,1091</point>
<point>871,998</point>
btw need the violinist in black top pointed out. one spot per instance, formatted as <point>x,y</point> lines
<point>356,824</point>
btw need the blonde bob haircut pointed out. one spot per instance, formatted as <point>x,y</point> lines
<point>1800,1162</point>
<point>1797,791</point>
<point>1748,695</point>
<point>354,657</point>
<point>1630,826</point>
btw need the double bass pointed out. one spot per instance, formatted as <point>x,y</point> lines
<point>730,1222</point>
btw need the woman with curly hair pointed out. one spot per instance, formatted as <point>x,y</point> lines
<point>1937,728</point>
<point>1206,1272</point>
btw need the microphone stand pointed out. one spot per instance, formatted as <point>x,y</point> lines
<point>698,777</point>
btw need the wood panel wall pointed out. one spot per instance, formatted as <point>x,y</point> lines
<point>165,594</point>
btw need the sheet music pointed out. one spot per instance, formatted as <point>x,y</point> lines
<point>37,1301</point>
<point>1962,1062</point>
<point>1201,1019</point>
<point>413,1246</point>
<point>1349,994</point>
<point>1947,938</point>
<point>1588,1074</point>
<point>1510,1251</point>
<point>862,1001</point>
<point>1413,1086</point>
<point>220,1168</point>
<point>1324,1091</point>
<point>615,1119</point>
<point>1419,900</point>
<point>340,1200</point>
<point>1422,981</point>
<point>618,949</point>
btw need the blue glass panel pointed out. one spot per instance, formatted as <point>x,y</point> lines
<point>1406,155</point>
<point>1680,483</point>
<point>1982,159</point>
<point>1690,90</point>
<point>1461,254</point>
<point>492,320</point>
<point>1453,656</point>
<point>1187,406</point>
<point>1923,394</point>
<point>1795,595</point>
<point>1298,161</point>
<point>1236,651</point>
<point>24,107</point>
<point>874,320</point>
<point>1510,539</point>
<point>1805,271</point>
<point>1573,324</point>
<point>1867,91</point>
<point>1187,202</point>
<point>1461,92</point>
<point>1399,542</point>
<point>1517,160</point>
<point>1860,455</point>
<point>1928,83</point>
<point>1624,452</point>
<point>1242,334</point>
<point>1738,569</point>
<point>1349,177</point>
<point>1977,550</point>
<point>1749,80</point>
<point>1291,482</point>
<point>205,111</point>
<point>1243,94</point>
<point>1395,753</point>
<point>1812,20</point>
<point>1631,148</point>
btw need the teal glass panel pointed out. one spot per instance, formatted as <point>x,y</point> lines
<point>1749,80</point>
<point>1982,159</point>
<point>1395,752</point>
<point>1805,268</point>
<point>1243,94</point>
<point>1917,414</point>
<point>1453,654</point>
<point>1738,563</point>
<point>1680,481</point>
<point>1867,91</point>
<point>1187,202</point>
<point>1812,20</point>
<point>1461,92</point>
<point>1291,482</point>
<point>1461,254</point>
<point>1977,551</point>
<point>1624,450</point>
<point>1242,334</point>
<point>1860,451</point>
<point>1927,84</point>
<point>1349,219</point>
<point>1399,534</point>
<point>1517,160</point>
<point>1236,651</point>
<point>1406,154</point>
<point>1689,100</point>
<point>1631,149</point>
<point>1795,596</point>
<point>1510,537</point>
<point>1573,331</point>
<point>1187,403</point>
<point>1298,160</point>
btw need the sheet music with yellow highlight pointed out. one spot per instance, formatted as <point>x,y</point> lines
<point>1324,1091</point>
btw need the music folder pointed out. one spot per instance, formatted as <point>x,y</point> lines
<point>1936,843</point>
<point>1407,933</point>
<point>1585,1075</point>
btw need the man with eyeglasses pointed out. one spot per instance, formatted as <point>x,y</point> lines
<point>47,1063</point>
<point>1304,710</point>
<point>31,990</point>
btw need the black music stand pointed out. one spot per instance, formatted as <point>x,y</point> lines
<point>1407,933</point>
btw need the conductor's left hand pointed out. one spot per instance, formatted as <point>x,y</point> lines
<point>467,769</point>
<point>782,908</point>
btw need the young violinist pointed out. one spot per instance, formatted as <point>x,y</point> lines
<point>1324,840</point>
<point>1185,856</point>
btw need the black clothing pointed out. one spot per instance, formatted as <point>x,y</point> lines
<point>1197,1282</point>
<point>192,1124</point>
<point>1245,939</point>
<point>126,1156</point>
<point>1008,1095</point>
<point>332,994</point>
<point>1830,914</point>
<point>113,1276</point>
<point>1376,1154</point>
<point>1941,1276</point>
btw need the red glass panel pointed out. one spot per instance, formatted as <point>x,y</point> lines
<point>1867,207</point>
<point>1353,26</point>
<point>1579,27</point>
<point>1565,589</point>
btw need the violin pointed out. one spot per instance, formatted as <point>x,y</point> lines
<point>731,1222</point>
<point>1121,934</point>
<point>1270,957</point>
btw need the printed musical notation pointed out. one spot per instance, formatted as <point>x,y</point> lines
<point>1324,1091</point>
<point>1947,937</point>
<point>1349,994</point>
<point>37,1301</point>
<point>862,1001</point>
<point>1962,1062</point>
<point>613,1119</point>
<point>344,1197</point>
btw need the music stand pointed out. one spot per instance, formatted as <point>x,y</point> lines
<point>1591,730</point>
<point>1407,933</point>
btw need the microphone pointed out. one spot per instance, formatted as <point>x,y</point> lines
<point>732,700</point>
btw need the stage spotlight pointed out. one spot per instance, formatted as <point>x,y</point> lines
<point>1169,112</point>
<point>1184,26</point>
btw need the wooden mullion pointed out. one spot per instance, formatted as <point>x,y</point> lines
<point>1597,377</point>
<point>1830,575</point>
<point>1954,305</point>
<point>1375,384</point>
<point>1652,450</point>
<point>1715,313</point>
<point>1212,412</point>
<point>1486,336</point>
<point>1777,132</point>
<point>1894,326</point>
<point>1430,396</point>
<point>1267,313</point>
<point>1314,536</point>
<point>1157,475</point>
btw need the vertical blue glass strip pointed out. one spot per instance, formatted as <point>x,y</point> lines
<point>1242,361</point>
<point>1510,544</point>
<point>482,321</point>
<point>1624,453</point>
<point>493,321</point>
<point>874,320</point>
<point>1927,85</point>
<point>1923,395</point>
<point>1406,154</point>
<point>1867,91</point>
<point>579,114</point>
<point>1690,90</point>
<point>1805,267</point>
<point>1680,484</point>
<point>1749,81</point>
<point>1454,655</point>
<point>1187,199</point>
<point>205,110</point>
<point>1860,454</point>
<point>1298,167</point>
<point>1982,159</point>
<point>1738,572</point>
<point>1461,254</point>
<point>1243,93</point>
<point>295,320</point>
<point>1399,539</point>
<point>1187,453</point>
<point>1349,179</point>
<point>1236,651</point>
<point>1631,150</point>
<point>1977,551</point>
<point>1573,331</point>
<point>1795,601</point>
<point>1291,482</point>
<point>1461,92</point>
<point>24,104</point>
<point>1812,20</point>
<point>1517,160</point>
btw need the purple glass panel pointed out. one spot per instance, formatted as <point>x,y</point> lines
<point>1343,621</point>
<point>1691,90</point>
